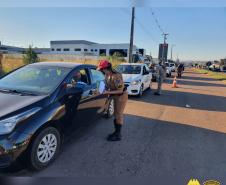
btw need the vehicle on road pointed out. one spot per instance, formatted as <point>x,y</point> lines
<point>214,67</point>
<point>222,68</point>
<point>138,58</point>
<point>173,67</point>
<point>39,102</point>
<point>136,76</point>
<point>168,69</point>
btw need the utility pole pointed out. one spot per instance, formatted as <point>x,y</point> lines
<point>172,51</point>
<point>165,37</point>
<point>131,36</point>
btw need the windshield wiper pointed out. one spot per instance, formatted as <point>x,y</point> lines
<point>23,92</point>
<point>4,90</point>
<point>14,91</point>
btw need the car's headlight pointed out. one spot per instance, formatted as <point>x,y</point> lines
<point>7,125</point>
<point>136,82</point>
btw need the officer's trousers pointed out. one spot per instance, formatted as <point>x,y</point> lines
<point>120,104</point>
<point>160,81</point>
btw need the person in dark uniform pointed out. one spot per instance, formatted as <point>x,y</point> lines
<point>161,73</point>
<point>116,89</point>
<point>180,70</point>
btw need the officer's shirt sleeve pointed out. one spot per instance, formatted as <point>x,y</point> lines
<point>118,82</point>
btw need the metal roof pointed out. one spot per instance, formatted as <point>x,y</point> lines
<point>61,64</point>
<point>57,64</point>
<point>132,64</point>
<point>72,42</point>
<point>11,48</point>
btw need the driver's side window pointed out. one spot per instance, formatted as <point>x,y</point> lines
<point>80,77</point>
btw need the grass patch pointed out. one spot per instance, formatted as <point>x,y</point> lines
<point>216,75</point>
<point>11,63</point>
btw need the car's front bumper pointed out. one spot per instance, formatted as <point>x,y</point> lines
<point>133,89</point>
<point>11,147</point>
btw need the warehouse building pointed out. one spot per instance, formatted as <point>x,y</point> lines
<point>10,49</point>
<point>19,50</point>
<point>83,47</point>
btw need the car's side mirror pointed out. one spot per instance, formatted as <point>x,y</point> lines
<point>146,72</point>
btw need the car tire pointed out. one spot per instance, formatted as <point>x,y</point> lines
<point>49,140</point>
<point>141,90</point>
<point>111,109</point>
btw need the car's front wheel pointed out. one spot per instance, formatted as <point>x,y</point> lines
<point>45,148</point>
<point>141,90</point>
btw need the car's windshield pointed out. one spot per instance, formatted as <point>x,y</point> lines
<point>34,79</point>
<point>171,65</point>
<point>129,69</point>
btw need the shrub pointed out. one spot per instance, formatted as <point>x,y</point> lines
<point>30,56</point>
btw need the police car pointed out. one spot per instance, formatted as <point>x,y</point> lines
<point>136,77</point>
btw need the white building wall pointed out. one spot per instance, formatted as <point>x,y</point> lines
<point>71,48</point>
<point>94,48</point>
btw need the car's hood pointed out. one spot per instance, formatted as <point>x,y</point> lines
<point>10,103</point>
<point>131,77</point>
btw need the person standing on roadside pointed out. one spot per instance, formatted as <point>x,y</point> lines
<point>116,89</point>
<point>160,77</point>
<point>180,70</point>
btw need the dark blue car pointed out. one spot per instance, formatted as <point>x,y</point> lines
<point>39,101</point>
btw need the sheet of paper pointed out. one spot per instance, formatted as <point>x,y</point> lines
<point>101,87</point>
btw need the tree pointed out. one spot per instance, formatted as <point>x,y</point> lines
<point>103,54</point>
<point>30,56</point>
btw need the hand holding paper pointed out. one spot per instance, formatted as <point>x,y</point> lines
<point>101,88</point>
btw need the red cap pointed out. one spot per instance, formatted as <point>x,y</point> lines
<point>103,64</point>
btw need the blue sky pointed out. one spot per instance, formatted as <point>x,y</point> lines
<point>199,33</point>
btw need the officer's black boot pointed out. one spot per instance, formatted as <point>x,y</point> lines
<point>115,126</point>
<point>116,136</point>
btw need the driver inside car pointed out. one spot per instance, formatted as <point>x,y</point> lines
<point>76,78</point>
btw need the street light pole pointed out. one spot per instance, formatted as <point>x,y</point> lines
<point>131,36</point>
<point>165,37</point>
<point>172,51</point>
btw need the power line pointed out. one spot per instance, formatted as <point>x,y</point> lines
<point>143,27</point>
<point>156,21</point>
<point>145,30</point>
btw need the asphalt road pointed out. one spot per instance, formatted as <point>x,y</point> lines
<point>180,133</point>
